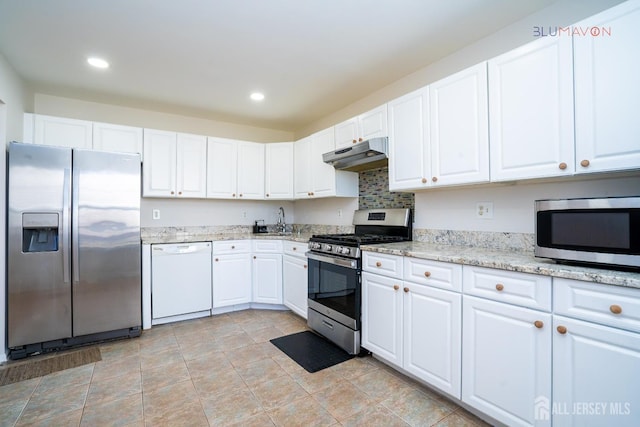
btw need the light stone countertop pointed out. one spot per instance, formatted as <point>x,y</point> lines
<point>512,261</point>
<point>181,237</point>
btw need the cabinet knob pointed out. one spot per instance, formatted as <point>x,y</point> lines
<point>294,248</point>
<point>562,166</point>
<point>353,141</point>
<point>424,180</point>
<point>378,264</point>
<point>615,309</point>
<point>396,287</point>
<point>216,260</point>
<point>233,195</point>
<point>254,257</point>
<point>359,139</point>
<point>538,324</point>
<point>499,287</point>
<point>406,289</point>
<point>267,194</point>
<point>427,274</point>
<point>173,192</point>
<point>562,329</point>
<point>434,179</point>
<point>584,163</point>
<point>305,266</point>
<point>240,195</point>
<point>233,247</point>
<point>179,193</point>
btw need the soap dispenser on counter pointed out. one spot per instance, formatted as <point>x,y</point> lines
<point>259,226</point>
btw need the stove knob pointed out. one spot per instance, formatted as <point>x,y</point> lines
<point>327,247</point>
<point>346,251</point>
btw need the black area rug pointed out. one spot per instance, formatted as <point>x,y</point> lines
<point>311,351</point>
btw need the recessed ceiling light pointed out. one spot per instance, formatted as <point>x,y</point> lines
<point>98,62</point>
<point>257,96</point>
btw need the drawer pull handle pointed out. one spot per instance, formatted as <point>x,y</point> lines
<point>584,163</point>
<point>424,180</point>
<point>295,249</point>
<point>396,287</point>
<point>427,274</point>
<point>406,289</point>
<point>254,257</point>
<point>233,247</point>
<point>378,264</point>
<point>538,324</point>
<point>615,309</point>
<point>305,266</point>
<point>562,329</point>
<point>216,260</point>
<point>562,166</point>
<point>499,287</point>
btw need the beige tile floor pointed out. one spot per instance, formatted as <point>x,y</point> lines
<point>222,370</point>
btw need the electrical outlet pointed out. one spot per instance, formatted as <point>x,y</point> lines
<point>243,214</point>
<point>340,212</point>
<point>484,210</point>
<point>156,213</point>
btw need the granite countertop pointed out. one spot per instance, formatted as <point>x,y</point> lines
<point>181,237</point>
<point>512,261</point>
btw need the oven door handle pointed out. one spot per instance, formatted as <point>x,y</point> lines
<point>349,263</point>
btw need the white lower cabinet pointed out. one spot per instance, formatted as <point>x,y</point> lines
<point>231,273</point>
<point>266,271</point>
<point>506,360</point>
<point>295,278</point>
<point>415,327</point>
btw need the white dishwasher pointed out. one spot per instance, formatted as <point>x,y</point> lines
<point>180,279</point>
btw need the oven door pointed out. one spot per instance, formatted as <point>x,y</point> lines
<point>334,288</point>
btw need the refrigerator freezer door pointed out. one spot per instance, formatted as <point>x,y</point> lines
<point>106,271</point>
<point>38,285</point>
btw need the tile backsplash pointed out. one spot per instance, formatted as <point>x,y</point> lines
<point>374,192</point>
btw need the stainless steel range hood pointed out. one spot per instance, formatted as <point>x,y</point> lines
<point>370,154</point>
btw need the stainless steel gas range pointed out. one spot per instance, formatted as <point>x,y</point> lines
<point>335,267</point>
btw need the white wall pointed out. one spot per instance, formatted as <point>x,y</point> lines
<point>198,212</point>
<point>109,113</point>
<point>12,106</point>
<point>513,205</point>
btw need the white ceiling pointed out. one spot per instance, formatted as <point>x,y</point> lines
<point>204,57</point>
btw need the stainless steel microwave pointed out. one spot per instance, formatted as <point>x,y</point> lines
<point>600,231</point>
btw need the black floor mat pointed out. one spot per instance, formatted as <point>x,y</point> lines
<point>311,351</point>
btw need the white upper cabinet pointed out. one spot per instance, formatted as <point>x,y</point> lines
<point>531,111</point>
<point>279,171</point>
<point>62,132</point>
<point>314,177</point>
<point>607,97</point>
<point>409,163</point>
<point>459,128</point>
<point>222,168</point>
<point>250,170</point>
<point>117,138</point>
<point>175,164</point>
<point>361,128</point>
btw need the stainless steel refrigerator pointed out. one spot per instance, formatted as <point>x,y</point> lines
<point>73,247</point>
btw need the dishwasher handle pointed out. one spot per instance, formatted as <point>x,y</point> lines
<point>182,248</point>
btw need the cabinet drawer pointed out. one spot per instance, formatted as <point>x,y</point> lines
<point>294,248</point>
<point>604,304</point>
<point>442,275</point>
<point>267,246</point>
<point>527,290</point>
<point>387,265</point>
<point>231,246</point>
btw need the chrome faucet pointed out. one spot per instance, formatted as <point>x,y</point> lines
<point>282,226</point>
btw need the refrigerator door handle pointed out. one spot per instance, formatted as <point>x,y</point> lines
<point>64,229</point>
<point>74,228</point>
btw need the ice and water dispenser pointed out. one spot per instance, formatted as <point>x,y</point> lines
<point>40,232</point>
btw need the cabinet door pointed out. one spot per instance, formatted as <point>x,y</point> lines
<point>159,167</point>
<point>231,279</point>
<point>267,278</point>
<point>460,128</point>
<point>191,170</point>
<point>506,360</point>
<point>323,175</point>
<point>594,365</point>
<point>409,141</point>
<point>279,171</point>
<point>531,111</point>
<point>373,124</point>
<point>62,132</point>
<point>382,317</point>
<point>295,284</point>
<point>250,170</point>
<point>607,93</point>
<point>346,133</point>
<point>222,168</point>
<point>116,138</point>
<point>433,320</point>
<point>301,169</point>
